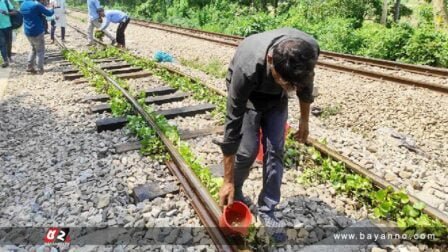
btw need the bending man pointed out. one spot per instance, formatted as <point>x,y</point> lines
<point>116,17</point>
<point>94,21</point>
<point>265,67</point>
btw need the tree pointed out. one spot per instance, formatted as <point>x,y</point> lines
<point>397,10</point>
<point>440,13</point>
<point>384,12</point>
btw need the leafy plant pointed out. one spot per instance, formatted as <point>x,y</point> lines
<point>386,203</point>
<point>99,35</point>
<point>330,110</point>
<point>214,67</point>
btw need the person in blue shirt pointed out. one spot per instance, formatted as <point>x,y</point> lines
<point>6,8</point>
<point>94,21</point>
<point>116,17</point>
<point>34,30</point>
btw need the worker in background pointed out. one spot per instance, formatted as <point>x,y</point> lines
<point>6,8</point>
<point>116,17</point>
<point>60,19</point>
<point>34,30</point>
<point>265,68</point>
<point>94,21</point>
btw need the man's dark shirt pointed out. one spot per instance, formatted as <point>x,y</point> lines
<point>251,86</point>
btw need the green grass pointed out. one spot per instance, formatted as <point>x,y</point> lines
<point>214,67</point>
<point>331,110</point>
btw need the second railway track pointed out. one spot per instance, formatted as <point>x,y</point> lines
<point>414,75</point>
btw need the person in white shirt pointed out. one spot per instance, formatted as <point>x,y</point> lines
<point>116,17</point>
<point>60,19</point>
<point>94,21</point>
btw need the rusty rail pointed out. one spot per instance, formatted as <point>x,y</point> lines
<point>206,208</point>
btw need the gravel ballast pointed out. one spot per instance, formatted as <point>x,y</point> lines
<point>57,171</point>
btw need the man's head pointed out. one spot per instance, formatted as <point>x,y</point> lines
<point>100,12</point>
<point>291,62</point>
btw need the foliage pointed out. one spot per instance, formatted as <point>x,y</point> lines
<point>151,143</point>
<point>378,42</point>
<point>386,203</point>
<point>427,46</point>
<point>213,67</point>
<point>99,35</point>
<point>345,26</point>
<point>330,110</point>
<point>200,92</point>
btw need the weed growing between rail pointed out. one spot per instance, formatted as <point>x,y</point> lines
<point>151,143</point>
<point>385,203</point>
<point>200,92</point>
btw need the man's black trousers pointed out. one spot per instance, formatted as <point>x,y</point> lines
<point>120,31</point>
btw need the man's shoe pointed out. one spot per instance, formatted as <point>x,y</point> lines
<point>239,196</point>
<point>274,228</point>
<point>246,200</point>
<point>40,71</point>
<point>5,64</point>
<point>31,70</point>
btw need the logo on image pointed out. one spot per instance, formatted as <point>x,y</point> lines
<point>57,236</point>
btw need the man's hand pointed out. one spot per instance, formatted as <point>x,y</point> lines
<point>302,134</point>
<point>226,194</point>
<point>227,190</point>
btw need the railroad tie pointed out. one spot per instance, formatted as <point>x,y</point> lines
<point>184,135</point>
<point>125,147</point>
<point>189,134</point>
<point>105,107</point>
<point>163,90</point>
<point>152,190</point>
<point>119,122</point>
<point>97,98</point>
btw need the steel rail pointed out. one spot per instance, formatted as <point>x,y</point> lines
<point>375,75</point>
<point>379,182</point>
<point>205,206</point>
<point>420,69</point>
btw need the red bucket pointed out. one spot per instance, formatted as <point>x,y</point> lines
<point>260,146</point>
<point>236,219</point>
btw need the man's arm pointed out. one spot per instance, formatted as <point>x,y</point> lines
<point>45,11</point>
<point>303,132</point>
<point>305,96</point>
<point>238,94</point>
<point>105,23</point>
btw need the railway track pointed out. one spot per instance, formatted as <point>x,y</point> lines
<point>379,182</point>
<point>414,75</point>
<point>205,207</point>
<point>360,65</point>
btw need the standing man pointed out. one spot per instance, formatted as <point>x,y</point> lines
<point>116,17</point>
<point>60,20</point>
<point>265,67</point>
<point>6,8</point>
<point>93,6</point>
<point>34,30</point>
